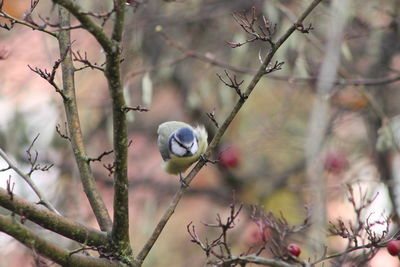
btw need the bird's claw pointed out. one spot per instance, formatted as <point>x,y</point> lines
<point>204,158</point>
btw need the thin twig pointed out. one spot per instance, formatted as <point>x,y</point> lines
<point>29,181</point>
<point>211,115</point>
<point>138,108</point>
<point>74,129</point>
<point>84,60</point>
<point>211,59</point>
<point>88,24</point>
<point>260,73</point>
<point>14,20</point>
<point>100,157</point>
<point>53,222</point>
<point>12,227</point>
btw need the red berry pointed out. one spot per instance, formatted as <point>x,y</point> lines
<point>393,247</point>
<point>336,162</point>
<point>294,249</point>
<point>229,157</point>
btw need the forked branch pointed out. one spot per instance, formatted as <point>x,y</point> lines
<point>221,130</point>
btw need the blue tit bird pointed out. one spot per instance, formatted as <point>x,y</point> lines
<point>180,145</point>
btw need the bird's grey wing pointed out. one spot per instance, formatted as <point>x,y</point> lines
<point>163,146</point>
<point>167,128</point>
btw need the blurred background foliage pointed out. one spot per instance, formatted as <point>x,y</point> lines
<point>262,157</point>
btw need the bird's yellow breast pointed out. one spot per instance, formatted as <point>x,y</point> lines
<point>176,164</point>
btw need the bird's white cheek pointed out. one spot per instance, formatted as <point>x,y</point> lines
<point>194,148</point>
<point>177,149</point>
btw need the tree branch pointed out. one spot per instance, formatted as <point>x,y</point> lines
<point>261,72</point>
<point>119,7</point>
<point>75,133</point>
<point>14,20</point>
<point>29,181</point>
<point>87,24</point>
<point>12,227</point>
<point>120,230</point>
<point>211,59</point>
<point>51,221</point>
<point>257,260</point>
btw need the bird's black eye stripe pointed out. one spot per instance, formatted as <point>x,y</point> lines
<point>179,143</point>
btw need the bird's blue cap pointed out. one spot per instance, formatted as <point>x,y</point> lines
<point>185,135</point>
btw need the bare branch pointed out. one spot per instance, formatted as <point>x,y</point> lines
<point>276,66</point>
<point>65,134</point>
<point>87,64</point>
<point>33,159</point>
<point>262,32</point>
<point>211,115</point>
<point>50,76</point>
<point>29,181</point>
<point>360,234</point>
<point>105,16</point>
<point>27,21</point>
<point>110,167</point>
<point>88,24</point>
<point>100,157</point>
<point>49,220</point>
<point>137,108</point>
<point>74,129</point>
<point>59,255</point>
<point>217,137</point>
<point>233,83</point>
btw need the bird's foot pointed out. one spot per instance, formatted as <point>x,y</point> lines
<point>204,158</point>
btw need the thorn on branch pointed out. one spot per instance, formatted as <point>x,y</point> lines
<point>10,188</point>
<point>137,108</point>
<point>211,115</point>
<point>233,83</point>
<point>65,134</point>
<point>302,29</point>
<point>130,143</point>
